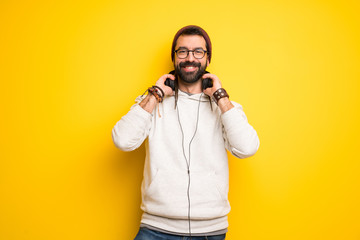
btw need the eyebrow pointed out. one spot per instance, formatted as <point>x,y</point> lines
<point>193,49</point>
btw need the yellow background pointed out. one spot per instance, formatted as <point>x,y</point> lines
<point>70,69</point>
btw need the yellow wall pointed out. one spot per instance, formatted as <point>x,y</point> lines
<point>70,69</point>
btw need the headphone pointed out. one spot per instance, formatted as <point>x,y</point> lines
<point>206,82</point>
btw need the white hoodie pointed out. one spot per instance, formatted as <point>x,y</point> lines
<point>170,153</point>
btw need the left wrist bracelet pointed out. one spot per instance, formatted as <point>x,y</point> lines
<point>220,93</point>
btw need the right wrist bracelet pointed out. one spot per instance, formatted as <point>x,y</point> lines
<point>157,92</point>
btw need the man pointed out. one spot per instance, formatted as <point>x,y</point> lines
<point>187,131</point>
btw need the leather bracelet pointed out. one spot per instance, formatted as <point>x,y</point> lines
<point>220,93</point>
<point>159,88</point>
<point>154,92</point>
<point>159,92</point>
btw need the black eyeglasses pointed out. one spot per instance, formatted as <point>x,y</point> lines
<point>184,53</point>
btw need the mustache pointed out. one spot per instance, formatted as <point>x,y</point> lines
<point>190,64</point>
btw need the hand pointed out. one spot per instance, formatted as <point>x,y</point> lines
<point>216,84</point>
<point>161,84</point>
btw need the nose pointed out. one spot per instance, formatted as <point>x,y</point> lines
<point>190,57</point>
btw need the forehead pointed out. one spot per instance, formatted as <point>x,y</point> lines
<point>191,42</point>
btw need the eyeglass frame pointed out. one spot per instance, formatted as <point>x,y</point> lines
<point>188,51</point>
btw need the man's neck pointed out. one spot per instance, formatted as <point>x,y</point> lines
<point>192,88</point>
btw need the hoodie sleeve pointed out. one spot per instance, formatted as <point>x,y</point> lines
<point>132,129</point>
<point>240,137</point>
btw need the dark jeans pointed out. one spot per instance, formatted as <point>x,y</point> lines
<point>147,234</point>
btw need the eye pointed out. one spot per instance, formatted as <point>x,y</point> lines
<point>199,51</point>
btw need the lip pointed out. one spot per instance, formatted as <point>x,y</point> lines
<point>190,68</point>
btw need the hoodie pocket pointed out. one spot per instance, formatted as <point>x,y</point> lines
<point>208,196</point>
<point>167,196</point>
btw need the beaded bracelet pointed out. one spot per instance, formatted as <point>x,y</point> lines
<point>162,92</point>
<point>220,93</point>
<point>156,92</point>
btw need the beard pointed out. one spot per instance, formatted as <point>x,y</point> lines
<point>190,77</point>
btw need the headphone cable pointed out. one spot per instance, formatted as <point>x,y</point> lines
<point>188,160</point>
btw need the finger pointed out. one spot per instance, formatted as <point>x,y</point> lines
<point>169,76</point>
<point>208,75</point>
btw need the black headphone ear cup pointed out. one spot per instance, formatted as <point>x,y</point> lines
<point>207,83</point>
<point>170,83</point>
